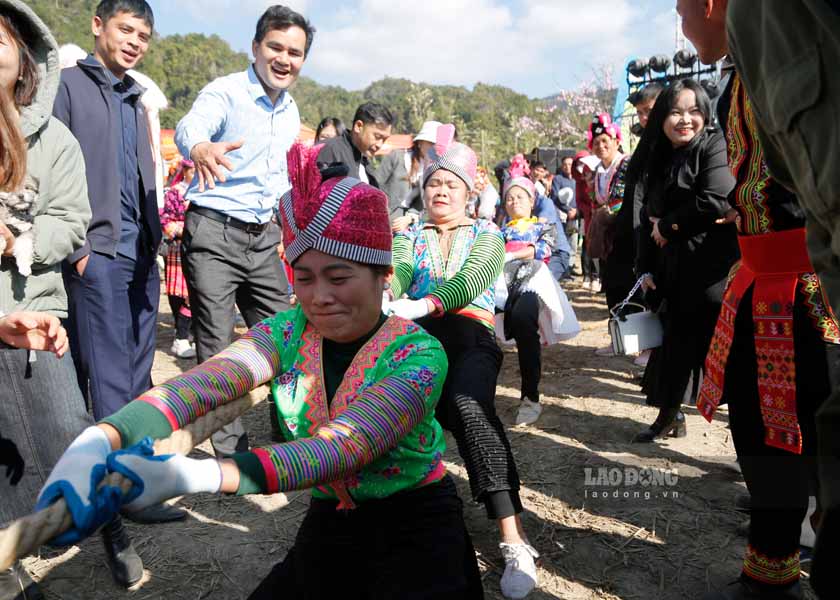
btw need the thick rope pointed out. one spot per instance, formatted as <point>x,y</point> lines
<point>24,536</point>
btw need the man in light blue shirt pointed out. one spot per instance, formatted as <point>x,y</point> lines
<point>237,133</point>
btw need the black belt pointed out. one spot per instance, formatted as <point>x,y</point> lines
<point>227,220</point>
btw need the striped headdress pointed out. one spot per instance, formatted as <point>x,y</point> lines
<point>339,216</point>
<point>452,156</point>
<point>521,182</point>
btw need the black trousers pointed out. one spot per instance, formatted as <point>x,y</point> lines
<point>779,482</point>
<point>467,408</point>
<point>182,322</point>
<point>522,319</point>
<point>224,267</point>
<point>411,546</point>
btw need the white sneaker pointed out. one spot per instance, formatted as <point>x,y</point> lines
<point>642,359</point>
<point>528,412</point>
<point>182,349</point>
<point>587,284</point>
<point>596,286</point>
<point>605,351</point>
<point>520,576</point>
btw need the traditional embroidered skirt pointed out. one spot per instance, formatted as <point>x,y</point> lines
<point>773,264</point>
<point>176,283</point>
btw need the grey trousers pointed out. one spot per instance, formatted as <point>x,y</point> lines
<point>227,267</point>
<point>41,412</point>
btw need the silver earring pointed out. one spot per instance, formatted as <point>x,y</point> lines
<point>387,286</point>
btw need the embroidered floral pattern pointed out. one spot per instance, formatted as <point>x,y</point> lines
<point>390,389</point>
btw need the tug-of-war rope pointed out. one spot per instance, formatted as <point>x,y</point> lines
<point>26,535</point>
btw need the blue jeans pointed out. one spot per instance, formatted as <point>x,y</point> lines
<point>558,264</point>
<point>41,411</point>
<point>573,230</point>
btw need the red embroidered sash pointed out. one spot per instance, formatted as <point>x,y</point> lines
<point>773,262</point>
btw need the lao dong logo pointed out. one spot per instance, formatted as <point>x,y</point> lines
<point>630,483</point>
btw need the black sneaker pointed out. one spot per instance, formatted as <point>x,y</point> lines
<point>125,564</point>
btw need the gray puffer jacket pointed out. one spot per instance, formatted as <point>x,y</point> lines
<point>55,163</point>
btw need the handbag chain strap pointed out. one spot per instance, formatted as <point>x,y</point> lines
<point>617,310</point>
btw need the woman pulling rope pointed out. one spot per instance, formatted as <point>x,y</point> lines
<point>355,393</point>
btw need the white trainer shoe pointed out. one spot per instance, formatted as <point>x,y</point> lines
<point>520,576</point>
<point>605,351</point>
<point>643,359</point>
<point>528,412</point>
<point>182,349</point>
<point>597,286</point>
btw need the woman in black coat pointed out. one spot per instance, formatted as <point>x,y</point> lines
<point>687,244</point>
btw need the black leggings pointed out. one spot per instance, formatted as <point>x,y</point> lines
<point>182,322</point>
<point>522,319</point>
<point>467,408</point>
<point>413,546</point>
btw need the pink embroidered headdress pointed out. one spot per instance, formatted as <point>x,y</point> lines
<point>522,182</point>
<point>519,166</point>
<point>340,216</point>
<point>602,123</point>
<point>452,156</point>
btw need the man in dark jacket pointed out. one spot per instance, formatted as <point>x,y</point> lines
<point>112,282</point>
<point>371,128</point>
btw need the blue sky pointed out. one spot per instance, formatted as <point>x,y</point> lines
<point>536,47</point>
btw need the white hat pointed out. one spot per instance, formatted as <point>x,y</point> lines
<point>428,133</point>
<point>591,161</point>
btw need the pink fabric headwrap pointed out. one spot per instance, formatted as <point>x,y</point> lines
<point>519,166</point>
<point>452,156</point>
<point>521,182</point>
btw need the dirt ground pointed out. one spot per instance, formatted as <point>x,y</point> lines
<point>672,536</point>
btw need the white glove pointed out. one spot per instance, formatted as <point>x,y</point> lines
<point>410,309</point>
<point>509,257</point>
<point>75,478</point>
<point>159,478</point>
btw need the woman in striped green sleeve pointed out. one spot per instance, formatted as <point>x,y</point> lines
<point>448,267</point>
<point>355,393</point>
